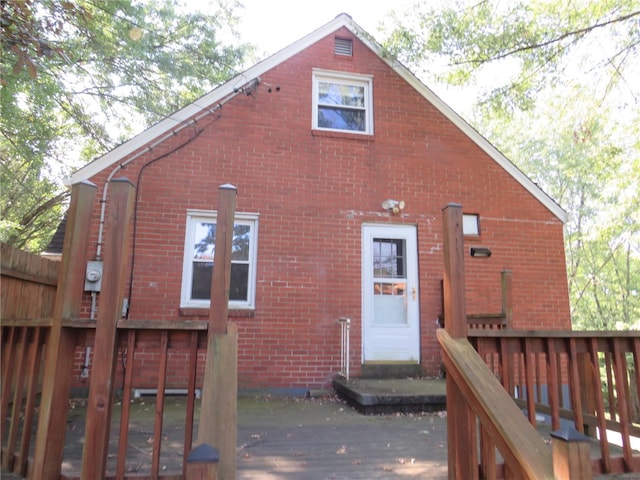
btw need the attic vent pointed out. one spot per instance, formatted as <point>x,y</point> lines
<point>343,46</point>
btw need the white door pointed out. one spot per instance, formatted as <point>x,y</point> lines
<point>390,320</point>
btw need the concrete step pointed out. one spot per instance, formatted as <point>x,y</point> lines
<point>391,395</point>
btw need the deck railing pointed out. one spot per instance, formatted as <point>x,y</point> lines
<point>38,356</point>
<point>587,380</point>
<point>173,344</point>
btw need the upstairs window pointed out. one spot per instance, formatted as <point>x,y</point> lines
<point>198,260</point>
<point>342,102</point>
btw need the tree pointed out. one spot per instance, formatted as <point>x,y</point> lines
<point>557,86</point>
<point>80,77</point>
<point>535,45</point>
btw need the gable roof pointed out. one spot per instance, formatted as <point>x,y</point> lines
<point>210,101</point>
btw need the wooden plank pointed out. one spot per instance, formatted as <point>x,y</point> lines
<point>132,324</point>
<point>454,278</point>
<point>636,371</point>
<point>552,389</point>
<point>8,362</point>
<point>599,401</point>
<point>18,396</point>
<point>159,411</point>
<point>220,391</point>
<point>221,277</point>
<point>462,462</point>
<point>528,374</point>
<point>218,413</point>
<point>571,459</point>
<point>99,404</point>
<point>191,397</point>
<point>610,386</point>
<point>587,394</point>
<point>29,277</point>
<point>520,444</point>
<point>33,365</point>
<point>622,394</point>
<point>629,335</point>
<point>488,468</point>
<point>123,441</point>
<point>61,341</point>
<point>27,322</point>
<point>574,386</point>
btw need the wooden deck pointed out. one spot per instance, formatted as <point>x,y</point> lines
<point>285,438</point>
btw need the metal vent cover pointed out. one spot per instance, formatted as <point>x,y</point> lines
<point>343,46</point>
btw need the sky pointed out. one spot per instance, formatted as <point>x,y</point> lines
<point>274,24</point>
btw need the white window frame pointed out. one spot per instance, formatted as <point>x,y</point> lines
<point>365,81</point>
<point>471,224</point>
<point>197,216</point>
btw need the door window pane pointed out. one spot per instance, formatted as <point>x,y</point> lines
<point>389,258</point>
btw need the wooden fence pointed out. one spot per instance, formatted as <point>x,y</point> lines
<point>41,327</point>
<point>28,295</point>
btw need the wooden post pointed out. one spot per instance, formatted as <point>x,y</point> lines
<point>220,284</point>
<point>571,455</point>
<point>454,280</point>
<point>219,408</point>
<point>58,367</point>
<point>462,451</point>
<point>116,259</point>
<point>202,463</point>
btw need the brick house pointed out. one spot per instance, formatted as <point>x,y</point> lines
<point>343,161</point>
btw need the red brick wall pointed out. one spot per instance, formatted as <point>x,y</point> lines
<point>313,191</point>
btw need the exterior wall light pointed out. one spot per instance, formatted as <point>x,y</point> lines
<point>394,206</point>
<point>480,252</point>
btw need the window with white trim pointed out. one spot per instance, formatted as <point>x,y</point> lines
<point>342,102</point>
<point>471,224</point>
<point>199,250</point>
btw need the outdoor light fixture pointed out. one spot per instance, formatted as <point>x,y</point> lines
<point>480,252</point>
<point>393,205</point>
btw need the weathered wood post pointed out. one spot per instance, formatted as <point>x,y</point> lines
<point>116,258</point>
<point>58,368</point>
<point>571,455</point>
<point>218,414</point>
<point>202,463</point>
<point>461,431</point>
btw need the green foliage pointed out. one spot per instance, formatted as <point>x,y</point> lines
<point>557,90</point>
<point>533,45</point>
<point>80,77</point>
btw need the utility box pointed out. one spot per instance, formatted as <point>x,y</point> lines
<point>93,277</point>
